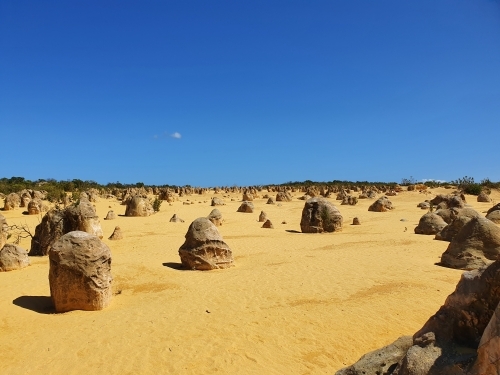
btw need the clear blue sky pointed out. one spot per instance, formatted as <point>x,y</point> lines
<point>249,92</point>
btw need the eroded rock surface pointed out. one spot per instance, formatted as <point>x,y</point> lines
<point>476,245</point>
<point>13,257</point>
<point>215,217</point>
<point>204,248</point>
<point>430,223</point>
<point>319,215</point>
<point>138,206</point>
<point>80,272</point>
<point>382,204</point>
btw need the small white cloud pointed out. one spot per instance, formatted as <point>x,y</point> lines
<point>432,179</point>
<point>176,135</point>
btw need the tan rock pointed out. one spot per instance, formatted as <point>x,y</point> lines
<point>246,207</point>
<point>268,224</point>
<point>176,219</point>
<point>382,204</point>
<point>476,245</point>
<point>117,234</point>
<point>488,352</point>
<point>13,257</point>
<point>80,272</point>
<point>12,201</point>
<point>215,217</point>
<point>139,206</point>
<point>204,248</point>
<point>319,215</point>
<point>430,223</point>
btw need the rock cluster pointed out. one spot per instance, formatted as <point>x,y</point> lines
<point>80,216</point>
<point>462,338</point>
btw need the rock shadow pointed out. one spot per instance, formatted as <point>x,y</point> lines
<point>292,231</point>
<point>175,266</point>
<point>39,304</point>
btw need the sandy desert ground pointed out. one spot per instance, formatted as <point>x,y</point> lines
<point>293,304</point>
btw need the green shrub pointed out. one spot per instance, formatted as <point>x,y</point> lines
<point>472,189</point>
<point>468,185</point>
<point>156,204</point>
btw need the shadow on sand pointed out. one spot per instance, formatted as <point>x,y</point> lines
<point>174,266</point>
<point>39,304</point>
<point>292,231</point>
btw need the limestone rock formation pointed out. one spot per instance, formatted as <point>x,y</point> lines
<point>36,207</point>
<point>217,202</point>
<point>204,248</point>
<point>80,272</point>
<point>462,338</point>
<point>446,214</point>
<point>430,223</point>
<point>80,216</point>
<point>268,224</point>
<point>25,199</point>
<point>12,201</point>
<point>3,230</point>
<point>13,257</point>
<point>459,217</point>
<point>447,201</point>
<point>349,200</point>
<point>476,245</point>
<point>270,201</point>
<point>494,213</point>
<point>47,232</point>
<point>494,216</point>
<point>110,215</point>
<point>176,219</point>
<point>319,215</point>
<point>424,205</point>
<point>483,197</point>
<point>247,196</point>
<point>488,352</point>
<point>448,341</point>
<point>117,234</point>
<point>283,197</point>
<point>380,361</point>
<point>215,217</point>
<point>138,206</point>
<point>262,216</point>
<point>246,207</point>
<point>382,204</point>
<point>356,221</point>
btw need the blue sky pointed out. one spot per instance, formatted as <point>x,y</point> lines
<point>249,92</point>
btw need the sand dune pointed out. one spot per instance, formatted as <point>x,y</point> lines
<point>293,304</point>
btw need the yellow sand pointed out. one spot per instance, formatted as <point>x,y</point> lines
<point>293,304</point>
